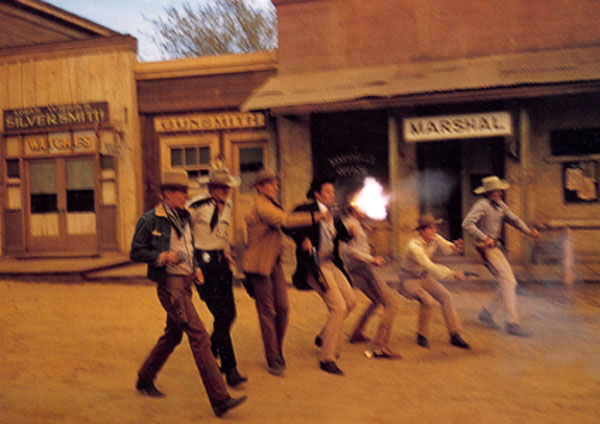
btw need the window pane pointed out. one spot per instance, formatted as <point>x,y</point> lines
<point>80,174</point>
<point>176,157</point>
<point>80,200</point>
<point>251,162</point>
<point>107,162</point>
<point>41,203</point>
<point>575,142</point>
<point>191,156</point>
<point>204,155</point>
<point>12,168</point>
<point>43,178</point>
<point>251,159</point>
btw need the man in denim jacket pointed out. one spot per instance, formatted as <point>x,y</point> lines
<point>163,240</point>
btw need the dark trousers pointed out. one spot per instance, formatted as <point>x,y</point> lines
<point>272,306</point>
<point>175,295</point>
<point>217,293</point>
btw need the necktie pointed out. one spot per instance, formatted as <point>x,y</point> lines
<point>215,218</point>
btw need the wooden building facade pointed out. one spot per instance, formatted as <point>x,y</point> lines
<point>70,173</point>
<point>190,118</point>
<point>429,97</point>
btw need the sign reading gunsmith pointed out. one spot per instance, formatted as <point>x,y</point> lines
<point>55,116</point>
<point>208,122</point>
<point>430,128</point>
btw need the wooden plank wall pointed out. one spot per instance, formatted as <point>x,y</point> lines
<point>35,80</point>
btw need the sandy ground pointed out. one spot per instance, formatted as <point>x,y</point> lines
<point>70,353</point>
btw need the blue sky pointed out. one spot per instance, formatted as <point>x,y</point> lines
<point>125,16</point>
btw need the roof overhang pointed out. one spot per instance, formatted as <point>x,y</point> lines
<point>389,85</point>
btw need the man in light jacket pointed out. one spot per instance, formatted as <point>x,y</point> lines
<point>262,264</point>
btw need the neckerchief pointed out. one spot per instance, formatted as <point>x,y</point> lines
<point>175,219</point>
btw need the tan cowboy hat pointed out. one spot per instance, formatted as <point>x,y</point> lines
<point>491,183</point>
<point>220,177</point>
<point>175,178</point>
<point>264,175</point>
<point>427,220</point>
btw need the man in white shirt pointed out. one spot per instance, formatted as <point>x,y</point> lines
<point>362,266</point>
<point>422,275</point>
<point>211,215</point>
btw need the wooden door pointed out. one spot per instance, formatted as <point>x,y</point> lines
<point>62,206</point>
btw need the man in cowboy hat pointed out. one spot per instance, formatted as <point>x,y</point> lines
<point>484,224</point>
<point>211,218</point>
<point>262,265</point>
<point>164,240</point>
<point>421,277</point>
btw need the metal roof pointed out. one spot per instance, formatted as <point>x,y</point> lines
<point>380,82</point>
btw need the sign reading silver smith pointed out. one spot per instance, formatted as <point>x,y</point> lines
<point>445,127</point>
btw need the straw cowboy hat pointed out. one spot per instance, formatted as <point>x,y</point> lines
<point>264,175</point>
<point>491,183</point>
<point>427,220</point>
<point>220,177</point>
<point>174,178</point>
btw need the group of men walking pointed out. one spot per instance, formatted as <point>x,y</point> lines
<point>186,243</point>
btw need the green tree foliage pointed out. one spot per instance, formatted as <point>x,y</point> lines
<point>215,27</point>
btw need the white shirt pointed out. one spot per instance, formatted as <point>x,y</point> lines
<point>327,232</point>
<point>417,259</point>
<point>358,249</point>
<point>204,237</point>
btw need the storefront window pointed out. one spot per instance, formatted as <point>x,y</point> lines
<point>80,185</point>
<point>251,162</point>
<point>43,187</point>
<point>581,170</point>
<point>195,160</point>
<point>12,168</point>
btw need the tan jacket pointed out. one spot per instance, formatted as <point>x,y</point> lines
<point>264,221</point>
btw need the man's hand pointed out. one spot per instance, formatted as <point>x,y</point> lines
<point>229,258</point>
<point>457,245</point>
<point>168,257</point>
<point>533,233</point>
<point>460,276</point>
<point>199,277</point>
<point>378,261</point>
<point>489,243</point>
<point>306,244</point>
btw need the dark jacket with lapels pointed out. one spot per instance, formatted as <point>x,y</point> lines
<point>304,259</point>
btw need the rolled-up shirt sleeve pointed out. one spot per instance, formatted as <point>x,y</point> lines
<point>417,254</point>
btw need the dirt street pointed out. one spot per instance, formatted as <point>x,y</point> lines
<point>70,353</point>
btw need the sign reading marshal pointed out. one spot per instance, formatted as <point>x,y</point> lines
<point>474,125</point>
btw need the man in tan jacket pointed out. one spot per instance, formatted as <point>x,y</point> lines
<point>261,264</point>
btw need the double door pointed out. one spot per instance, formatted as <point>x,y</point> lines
<point>61,204</point>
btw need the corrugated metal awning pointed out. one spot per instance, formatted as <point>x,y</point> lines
<point>338,86</point>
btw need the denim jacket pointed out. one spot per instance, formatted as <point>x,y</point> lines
<point>152,237</point>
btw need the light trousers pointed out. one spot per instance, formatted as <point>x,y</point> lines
<point>506,293</point>
<point>339,299</point>
<point>369,281</point>
<point>426,290</point>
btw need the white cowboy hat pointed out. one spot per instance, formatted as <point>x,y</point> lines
<point>220,177</point>
<point>491,183</point>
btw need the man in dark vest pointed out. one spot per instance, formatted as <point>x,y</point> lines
<point>320,268</point>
